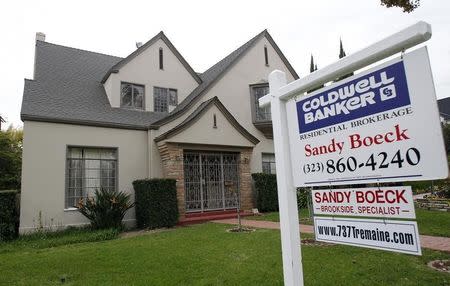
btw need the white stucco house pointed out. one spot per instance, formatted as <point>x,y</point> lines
<point>92,120</point>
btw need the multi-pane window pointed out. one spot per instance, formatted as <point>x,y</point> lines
<point>163,98</point>
<point>261,113</point>
<point>268,163</point>
<point>132,96</point>
<point>89,169</point>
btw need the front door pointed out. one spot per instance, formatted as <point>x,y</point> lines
<point>211,181</point>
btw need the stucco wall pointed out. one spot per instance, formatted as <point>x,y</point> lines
<point>144,70</point>
<point>233,91</point>
<point>44,161</point>
<point>203,131</point>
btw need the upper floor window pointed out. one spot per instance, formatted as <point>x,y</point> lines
<point>161,59</point>
<point>132,96</point>
<point>261,113</point>
<point>89,169</point>
<point>268,163</point>
<point>163,98</point>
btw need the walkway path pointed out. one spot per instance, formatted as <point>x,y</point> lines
<point>420,196</point>
<point>427,241</point>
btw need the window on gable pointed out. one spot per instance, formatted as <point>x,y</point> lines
<point>89,169</point>
<point>161,59</point>
<point>261,113</point>
<point>266,56</point>
<point>163,98</point>
<point>132,96</point>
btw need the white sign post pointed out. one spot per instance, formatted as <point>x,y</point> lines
<point>286,162</point>
<point>287,195</point>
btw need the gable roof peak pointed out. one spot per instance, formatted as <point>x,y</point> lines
<point>214,73</point>
<point>138,51</point>
<point>199,111</point>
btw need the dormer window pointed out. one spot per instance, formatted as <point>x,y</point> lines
<point>163,98</point>
<point>132,96</point>
<point>161,59</point>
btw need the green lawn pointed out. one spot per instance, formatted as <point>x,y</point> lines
<point>208,255</point>
<point>435,223</point>
<point>303,216</point>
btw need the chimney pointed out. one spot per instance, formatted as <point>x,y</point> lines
<point>138,44</point>
<point>40,37</point>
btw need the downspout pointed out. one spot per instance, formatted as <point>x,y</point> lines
<point>150,145</point>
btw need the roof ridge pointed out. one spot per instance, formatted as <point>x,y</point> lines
<point>235,50</point>
<point>77,49</point>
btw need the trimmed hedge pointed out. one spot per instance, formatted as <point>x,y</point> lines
<point>9,215</point>
<point>156,203</point>
<point>267,195</point>
<point>266,192</point>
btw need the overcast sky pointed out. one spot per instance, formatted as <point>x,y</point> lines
<point>206,31</point>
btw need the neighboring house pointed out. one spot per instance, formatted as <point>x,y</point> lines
<point>98,121</point>
<point>444,110</point>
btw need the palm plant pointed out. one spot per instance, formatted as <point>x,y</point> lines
<point>106,209</point>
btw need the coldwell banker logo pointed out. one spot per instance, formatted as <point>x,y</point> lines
<point>379,91</point>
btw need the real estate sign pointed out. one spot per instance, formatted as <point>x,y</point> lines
<point>390,202</point>
<point>381,125</point>
<point>391,235</point>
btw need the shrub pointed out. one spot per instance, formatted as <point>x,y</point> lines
<point>443,189</point>
<point>267,195</point>
<point>266,192</point>
<point>106,209</point>
<point>302,197</point>
<point>156,203</point>
<point>9,215</point>
<point>10,158</point>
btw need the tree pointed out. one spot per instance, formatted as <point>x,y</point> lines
<point>312,67</point>
<point>407,5</point>
<point>342,54</point>
<point>341,50</point>
<point>2,120</point>
<point>10,158</point>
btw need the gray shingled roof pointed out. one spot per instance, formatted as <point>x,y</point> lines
<point>67,88</point>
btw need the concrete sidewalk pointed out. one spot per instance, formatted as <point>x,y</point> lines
<point>426,241</point>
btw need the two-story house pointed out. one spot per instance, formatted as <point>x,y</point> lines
<point>97,121</point>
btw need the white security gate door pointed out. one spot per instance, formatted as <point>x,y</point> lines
<point>211,181</point>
